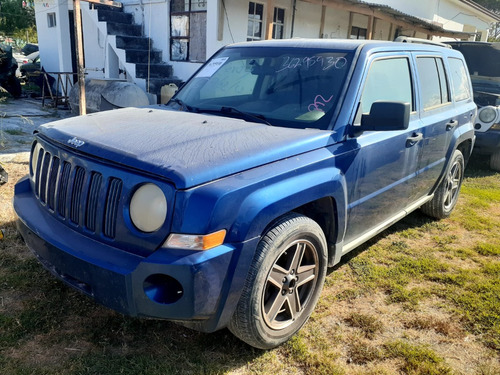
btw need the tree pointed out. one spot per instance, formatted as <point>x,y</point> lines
<point>14,17</point>
<point>493,5</point>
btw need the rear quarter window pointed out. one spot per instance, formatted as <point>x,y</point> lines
<point>434,90</point>
<point>459,79</point>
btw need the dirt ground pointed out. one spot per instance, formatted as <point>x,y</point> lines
<point>18,119</point>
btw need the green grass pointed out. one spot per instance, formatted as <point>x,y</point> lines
<point>15,132</point>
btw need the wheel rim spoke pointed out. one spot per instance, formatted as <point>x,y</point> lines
<point>306,274</point>
<point>295,305</point>
<point>276,276</point>
<point>298,255</point>
<point>276,306</point>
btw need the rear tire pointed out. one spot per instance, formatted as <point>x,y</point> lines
<point>283,284</point>
<point>495,161</point>
<point>446,195</point>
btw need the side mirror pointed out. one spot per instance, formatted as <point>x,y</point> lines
<point>386,116</point>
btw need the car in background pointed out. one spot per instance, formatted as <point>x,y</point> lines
<point>31,66</point>
<point>29,48</point>
<point>8,66</point>
<point>483,62</point>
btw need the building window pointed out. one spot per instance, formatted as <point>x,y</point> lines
<point>358,33</point>
<point>255,21</point>
<point>279,23</point>
<point>188,24</point>
<point>51,19</point>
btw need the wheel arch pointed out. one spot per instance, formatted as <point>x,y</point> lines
<point>327,210</point>
<point>465,147</point>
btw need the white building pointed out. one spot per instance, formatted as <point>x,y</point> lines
<point>154,42</point>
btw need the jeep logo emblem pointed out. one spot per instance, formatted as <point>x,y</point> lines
<point>76,142</point>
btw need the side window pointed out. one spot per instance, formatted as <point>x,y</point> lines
<point>387,80</point>
<point>434,89</point>
<point>460,79</point>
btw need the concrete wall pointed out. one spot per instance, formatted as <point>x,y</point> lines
<point>232,16</point>
<point>54,42</point>
<point>450,14</point>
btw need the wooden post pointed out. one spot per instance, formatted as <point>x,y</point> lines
<point>349,27</point>
<point>369,31</point>
<point>220,20</point>
<point>269,20</point>
<point>79,56</point>
<point>322,26</point>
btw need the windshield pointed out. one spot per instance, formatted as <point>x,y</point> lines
<point>290,87</point>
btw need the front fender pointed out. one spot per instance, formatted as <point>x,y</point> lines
<point>244,204</point>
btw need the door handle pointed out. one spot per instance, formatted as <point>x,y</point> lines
<point>450,125</point>
<point>414,139</point>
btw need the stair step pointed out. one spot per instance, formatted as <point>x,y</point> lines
<point>106,15</point>
<point>124,29</point>
<point>106,7</point>
<point>154,70</point>
<point>132,42</point>
<point>141,56</point>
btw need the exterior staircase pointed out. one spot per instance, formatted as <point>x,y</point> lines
<point>142,63</point>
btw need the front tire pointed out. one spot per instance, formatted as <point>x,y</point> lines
<point>446,195</point>
<point>284,283</point>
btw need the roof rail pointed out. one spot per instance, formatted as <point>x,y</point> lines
<point>407,39</point>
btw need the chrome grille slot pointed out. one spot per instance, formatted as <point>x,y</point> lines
<point>51,188</point>
<point>76,195</point>
<point>92,201</point>
<point>37,172</point>
<point>63,189</point>
<point>111,210</point>
<point>43,177</point>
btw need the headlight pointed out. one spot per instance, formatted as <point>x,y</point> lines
<point>34,158</point>
<point>148,208</point>
<point>487,114</point>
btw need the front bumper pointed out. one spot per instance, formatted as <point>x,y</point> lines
<point>200,289</point>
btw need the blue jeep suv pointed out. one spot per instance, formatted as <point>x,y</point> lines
<point>225,207</point>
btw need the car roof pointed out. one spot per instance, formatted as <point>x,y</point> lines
<point>343,44</point>
<point>33,55</point>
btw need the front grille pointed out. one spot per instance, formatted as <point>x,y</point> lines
<point>84,197</point>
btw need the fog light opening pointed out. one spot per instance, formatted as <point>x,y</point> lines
<point>163,289</point>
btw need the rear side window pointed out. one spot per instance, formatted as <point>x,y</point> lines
<point>387,80</point>
<point>460,79</point>
<point>434,89</point>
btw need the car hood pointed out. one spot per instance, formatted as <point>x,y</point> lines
<point>186,148</point>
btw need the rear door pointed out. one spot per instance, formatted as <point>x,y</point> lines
<point>382,174</point>
<point>438,116</point>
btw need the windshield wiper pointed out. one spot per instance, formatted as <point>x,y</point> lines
<point>183,105</point>
<point>233,111</point>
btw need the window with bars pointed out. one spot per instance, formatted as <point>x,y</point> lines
<point>279,23</point>
<point>255,21</point>
<point>188,23</point>
<point>358,33</point>
<point>51,19</point>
